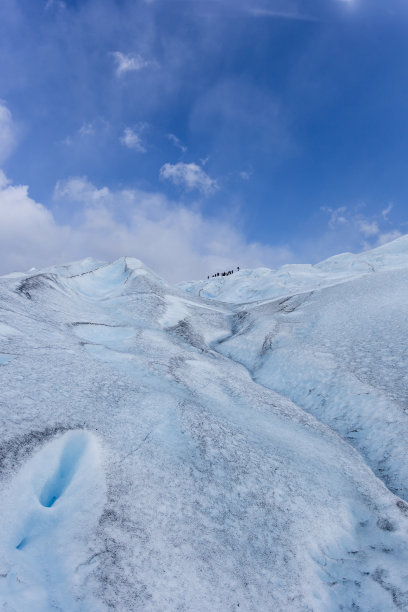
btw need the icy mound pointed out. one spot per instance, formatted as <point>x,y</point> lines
<point>262,283</point>
<point>74,268</point>
<point>122,276</point>
<point>89,279</point>
<point>141,469</point>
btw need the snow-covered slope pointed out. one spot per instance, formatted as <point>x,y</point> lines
<point>340,353</point>
<point>144,469</point>
<point>263,283</point>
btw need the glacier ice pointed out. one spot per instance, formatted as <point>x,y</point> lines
<point>165,450</point>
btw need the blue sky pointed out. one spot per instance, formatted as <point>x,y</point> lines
<point>200,135</point>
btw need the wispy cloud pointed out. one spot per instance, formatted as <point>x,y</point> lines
<point>129,62</point>
<point>276,14</point>
<point>190,176</point>
<point>337,216</point>
<point>54,4</point>
<point>87,129</point>
<point>133,140</point>
<point>386,211</point>
<point>365,231</point>
<point>177,142</point>
<point>97,128</point>
<point>273,9</point>
<point>368,228</point>
<point>8,132</point>
<point>236,111</point>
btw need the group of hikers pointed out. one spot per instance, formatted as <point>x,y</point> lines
<point>223,273</point>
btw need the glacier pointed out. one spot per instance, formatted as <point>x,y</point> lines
<point>233,443</point>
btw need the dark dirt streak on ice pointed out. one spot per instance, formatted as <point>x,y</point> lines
<point>237,327</point>
<point>15,451</point>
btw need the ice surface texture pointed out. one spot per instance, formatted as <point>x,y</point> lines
<point>148,462</point>
<point>50,507</point>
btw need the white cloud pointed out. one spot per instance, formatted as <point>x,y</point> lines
<point>79,189</point>
<point>386,211</point>
<point>8,132</point>
<point>337,216</point>
<point>388,237</point>
<point>129,63</point>
<point>368,228</point>
<point>4,181</point>
<point>177,242</point>
<point>177,142</point>
<point>87,129</point>
<point>191,176</point>
<point>132,140</point>
<point>349,229</point>
<point>28,232</point>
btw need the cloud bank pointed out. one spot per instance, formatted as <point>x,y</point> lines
<point>177,242</point>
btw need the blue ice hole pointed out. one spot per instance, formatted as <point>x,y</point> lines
<point>70,456</point>
<point>22,544</point>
